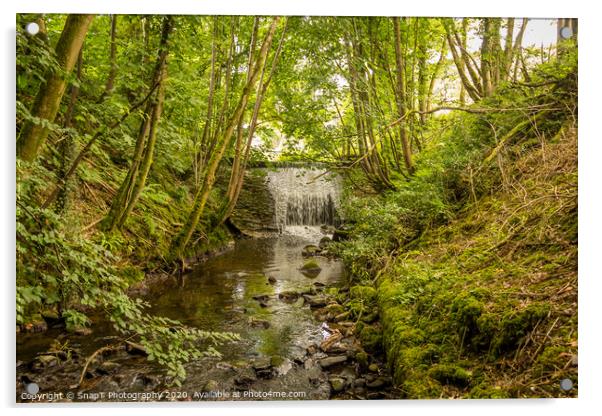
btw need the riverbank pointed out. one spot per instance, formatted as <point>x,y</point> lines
<point>479,301</point>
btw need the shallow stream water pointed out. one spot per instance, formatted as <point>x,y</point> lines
<point>219,295</point>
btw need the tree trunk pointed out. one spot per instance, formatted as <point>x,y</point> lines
<point>135,180</point>
<point>110,84</point>
<point>183,237</point>
<point>401,96</point>
<point>473,89</point>
<point>198,159</point>
<point>66,145</point>
<point>262,88</point>
<point>48,100</point>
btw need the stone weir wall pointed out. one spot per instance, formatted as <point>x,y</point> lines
<point>255,210</point>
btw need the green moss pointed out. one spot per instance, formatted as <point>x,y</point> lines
<point>335,309</point>
<point>362,358</point>
<point>466,309</point>
<point>371,338</point>
<point>450,374</point>
<point>504,333</point>
<point>332,291</point>
<point>485,391</point>
<point>365,294</point>
<point>421,388</point>
<point>552,358</point>
<point>310,265</point>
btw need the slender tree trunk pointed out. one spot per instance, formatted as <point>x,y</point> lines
<point>470,88</point>
<point>463,45</point>
<point>261,91</point>
<point>198,158</point>
<point>238,153</point>
<point>422,75</point>
<point>401,104</point>
<point>110,84</point>
<point>47,102</point>
<point>183,237</point>
<point>66,145</point>
<point>435,75</point>
<point>135,180</point>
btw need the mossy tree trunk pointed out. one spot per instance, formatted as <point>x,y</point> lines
<point>48,99</point>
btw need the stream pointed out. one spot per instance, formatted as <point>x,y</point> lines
<point>256,290</point>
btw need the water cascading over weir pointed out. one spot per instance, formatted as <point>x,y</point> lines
<point>304,197</point>
<point>287,199</point>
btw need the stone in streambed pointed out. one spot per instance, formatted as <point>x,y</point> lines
<point>245,377</point>
<point>263,363</point>
<point>288,296</point>
<point>44,361</point>
<point>82,330</point>
<point>340,234</point>
<point>37,324</point>
<point>108,367</point>
<point>324,242</point>
<point>316,301</point>
<point>337,384</point>
<point>263,367</point>
<point>379,383</point>
<point>311,268</point>
<point>310,250</point>
<point>332,361</point>
<point>210,386</point>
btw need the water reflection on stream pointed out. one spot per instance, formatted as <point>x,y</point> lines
<point>219,296</point>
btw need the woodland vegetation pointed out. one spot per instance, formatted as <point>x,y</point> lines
<point>459,164</point>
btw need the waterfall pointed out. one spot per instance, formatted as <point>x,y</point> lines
<point>304,197</point>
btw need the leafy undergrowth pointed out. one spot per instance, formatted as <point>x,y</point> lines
<point>486,306</point>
